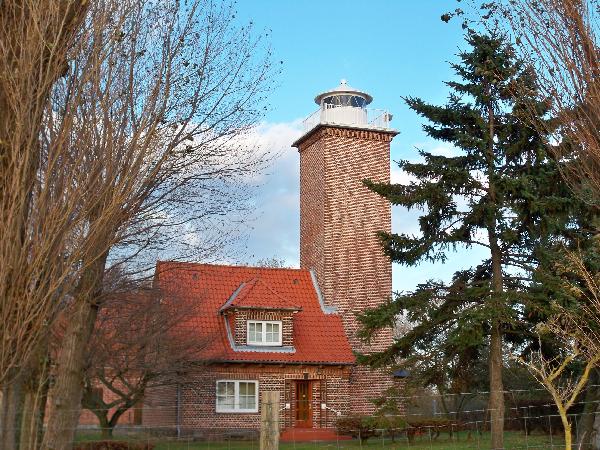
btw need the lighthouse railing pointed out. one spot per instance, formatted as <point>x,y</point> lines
<point>348,116</point>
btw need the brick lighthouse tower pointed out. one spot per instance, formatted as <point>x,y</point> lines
<point>344,143</point>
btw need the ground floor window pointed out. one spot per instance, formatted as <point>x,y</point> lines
<point>237,396</point>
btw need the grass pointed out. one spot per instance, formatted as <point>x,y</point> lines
<point>513,440</point>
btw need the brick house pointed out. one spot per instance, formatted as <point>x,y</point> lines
<point>271,331</point>
<point>294,330</point>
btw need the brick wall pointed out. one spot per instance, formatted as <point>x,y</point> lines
<point>339,222</point>
<point>160,409</point>
<point>242,316</point>
<point>198,416</point>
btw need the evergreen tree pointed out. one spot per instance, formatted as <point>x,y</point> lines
<point>503,192</point>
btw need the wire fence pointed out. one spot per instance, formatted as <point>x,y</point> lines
<point>429,437</point>
<point>424,421</point>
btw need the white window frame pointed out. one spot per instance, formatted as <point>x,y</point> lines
<point>236,402</point>
<point>264,323</point>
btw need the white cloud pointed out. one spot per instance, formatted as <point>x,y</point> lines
<point>273,139</point>
<point>436,148</point>
<point>274,227</point>
<point>399,176</point>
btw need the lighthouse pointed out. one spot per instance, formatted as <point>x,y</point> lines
<point>345,142</point>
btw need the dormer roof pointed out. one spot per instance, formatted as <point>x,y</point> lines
<point>257,294</point>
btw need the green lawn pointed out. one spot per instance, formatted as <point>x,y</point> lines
<point>512,441</point>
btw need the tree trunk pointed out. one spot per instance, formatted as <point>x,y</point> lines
<point>32,424</point>
<point>567,427</point>
<point>28,423</point>
<point>35,388</point>
<point>41,412</point>
<point>269,421</point>
<point>106,428</point>
<point>65,395</point>
<point>496,400</point>
<point>12,402</point>
<point>3,404</point>
<point>586,432</point>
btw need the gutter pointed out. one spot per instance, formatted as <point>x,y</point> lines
<point>287,363</point>
<point>325,308</point>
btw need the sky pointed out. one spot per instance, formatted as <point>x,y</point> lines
<point>388,48</point>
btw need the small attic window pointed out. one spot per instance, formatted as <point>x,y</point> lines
<point>264,332</point>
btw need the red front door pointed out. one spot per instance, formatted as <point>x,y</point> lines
<point>303,404</point>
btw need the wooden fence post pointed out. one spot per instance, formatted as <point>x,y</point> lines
<point>269,420</point>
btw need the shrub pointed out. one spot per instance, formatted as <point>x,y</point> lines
<point>362,427</point>
<point>391,424</point>
<point>434,426</point>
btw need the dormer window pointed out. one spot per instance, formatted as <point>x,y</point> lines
<point>264,332</point>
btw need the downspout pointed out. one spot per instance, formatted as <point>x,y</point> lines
<point>178,411</point>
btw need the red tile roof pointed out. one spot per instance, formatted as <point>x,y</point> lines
<point>256,293</point>
<point>318,337</point>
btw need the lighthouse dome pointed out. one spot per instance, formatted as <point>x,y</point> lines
<point>344,95</point>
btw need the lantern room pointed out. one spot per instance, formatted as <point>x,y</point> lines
<point>346,106</point>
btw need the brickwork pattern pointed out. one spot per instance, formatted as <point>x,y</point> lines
<point>160,409</point>
<point>242,316</point>
<point>339,222</point>
<point>312,205</point>
<point>197,410</point>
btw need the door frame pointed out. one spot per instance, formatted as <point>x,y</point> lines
<point>308,423</point>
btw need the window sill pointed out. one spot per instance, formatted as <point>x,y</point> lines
<point>268,344</point>
<point>265,348</point>
<point>236,411</point>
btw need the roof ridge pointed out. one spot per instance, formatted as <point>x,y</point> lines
<point>235,266</point>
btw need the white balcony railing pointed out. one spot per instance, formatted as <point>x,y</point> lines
<point>348,116</point>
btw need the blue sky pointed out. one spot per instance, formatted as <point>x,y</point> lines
<point>389,49</point>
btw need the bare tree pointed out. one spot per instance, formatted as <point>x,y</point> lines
<point>41,207</point>
<point>555,376</point>
<point>576,328</point>
<point>35,40</point>
<point>139,343</point>
<point>159,94</point>
<point>273,262</point>
<point>560,39</point>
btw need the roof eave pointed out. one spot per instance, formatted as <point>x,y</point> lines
<point>319,126</point>
<point>291,363</point>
